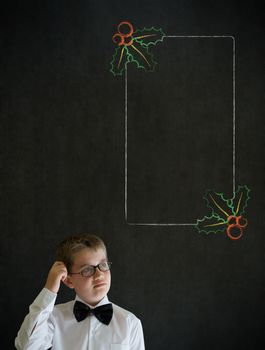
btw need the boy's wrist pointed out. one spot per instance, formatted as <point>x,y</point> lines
<point>51,288</point>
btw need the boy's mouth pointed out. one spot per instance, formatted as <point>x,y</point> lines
<point>101,284</point>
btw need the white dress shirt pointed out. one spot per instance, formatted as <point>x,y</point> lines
<point>54,326</point>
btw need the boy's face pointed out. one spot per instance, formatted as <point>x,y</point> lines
<point>90,289</point>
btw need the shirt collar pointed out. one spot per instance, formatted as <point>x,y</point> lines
<point>104,301</point>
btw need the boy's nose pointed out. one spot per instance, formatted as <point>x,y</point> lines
<point>98,273</point>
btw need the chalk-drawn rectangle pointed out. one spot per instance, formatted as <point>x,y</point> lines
<point>180,130</point>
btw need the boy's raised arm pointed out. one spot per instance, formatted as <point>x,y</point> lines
<point>36,331</point>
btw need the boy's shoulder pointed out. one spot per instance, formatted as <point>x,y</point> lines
<point>64,310</point>
<point>121,313</point>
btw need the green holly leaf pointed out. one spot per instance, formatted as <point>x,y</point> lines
<point>148,36</point>
<point>120,58</point>
<point>212,224</point>
<point>219,206</point>
<point>240,200</point>
<point>140,55</point>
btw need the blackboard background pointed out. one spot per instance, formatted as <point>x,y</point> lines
<point>62,117</point>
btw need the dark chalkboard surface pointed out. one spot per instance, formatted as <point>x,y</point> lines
<point>130,157</point>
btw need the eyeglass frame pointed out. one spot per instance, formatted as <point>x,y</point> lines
<point>109,263</point>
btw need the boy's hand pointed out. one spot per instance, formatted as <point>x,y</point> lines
<point>57,273</point>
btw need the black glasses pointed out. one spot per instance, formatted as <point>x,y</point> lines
<point>90,270</point>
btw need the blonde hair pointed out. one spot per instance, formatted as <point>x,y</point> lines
<point>73,244</point>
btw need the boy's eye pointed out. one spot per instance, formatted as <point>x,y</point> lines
<point>88,271</point>
<point>104,265</point>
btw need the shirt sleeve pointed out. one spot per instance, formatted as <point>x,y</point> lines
<point>137,336</point>
<point>36,331</point>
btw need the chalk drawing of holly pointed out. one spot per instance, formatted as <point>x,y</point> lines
<point>226,214</point>
<point>133,47</point>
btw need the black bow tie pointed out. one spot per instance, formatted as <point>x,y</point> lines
<point>103,313</point>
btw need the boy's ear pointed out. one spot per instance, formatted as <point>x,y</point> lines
<point>68,282</point>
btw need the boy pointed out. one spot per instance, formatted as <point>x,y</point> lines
<point>88,322</point>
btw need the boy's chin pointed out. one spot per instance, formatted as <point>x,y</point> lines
<point>101,292</point>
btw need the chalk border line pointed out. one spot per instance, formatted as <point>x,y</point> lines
<point>126,133</point>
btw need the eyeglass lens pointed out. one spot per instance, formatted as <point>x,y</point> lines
<point>90,270</point>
